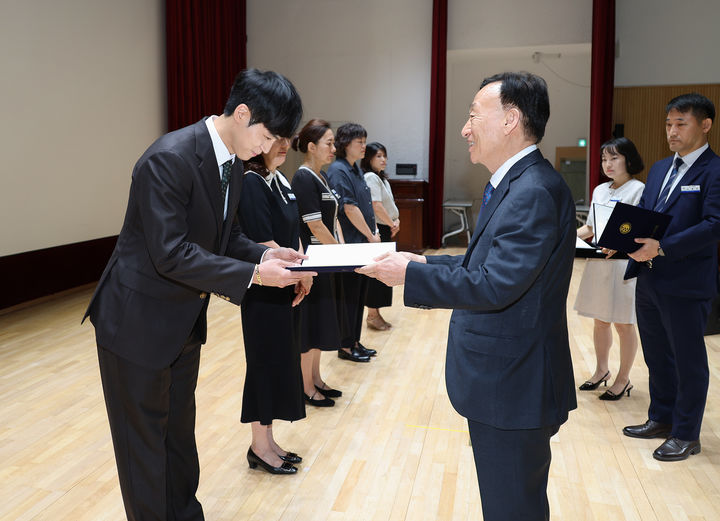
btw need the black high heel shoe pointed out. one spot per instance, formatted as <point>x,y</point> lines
<point>591,386</point>
<point>291,457</point>
<point>254,460</point>
<point>326,402</point>
<point>609,395</point>
<point>330,393</point>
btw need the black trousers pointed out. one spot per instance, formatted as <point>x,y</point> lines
<point>512,469</point>
<point>152,422</point>
<point>378,294</point>
<point>354,290</point>
<point>671,333</point>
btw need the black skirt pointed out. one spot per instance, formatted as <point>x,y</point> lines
<point>273,380</point>
<point>320,323</point>
<point>378,294</point>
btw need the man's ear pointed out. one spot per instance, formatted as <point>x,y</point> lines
<point>242,113</point>
<point>706,125</point>
<point>512,119</point>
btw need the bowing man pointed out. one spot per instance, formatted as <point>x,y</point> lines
<point>180,242</point>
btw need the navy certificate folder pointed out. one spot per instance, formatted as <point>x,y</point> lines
<point>629,222</point>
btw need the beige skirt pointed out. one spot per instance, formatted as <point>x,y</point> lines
<point>603,294</point>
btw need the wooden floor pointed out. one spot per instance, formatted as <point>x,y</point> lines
<point>391,449</point>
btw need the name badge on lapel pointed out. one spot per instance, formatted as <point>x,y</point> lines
<point>690,188</point>
<point>291,196</point>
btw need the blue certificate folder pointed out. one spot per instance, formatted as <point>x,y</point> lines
<point>627,223</point>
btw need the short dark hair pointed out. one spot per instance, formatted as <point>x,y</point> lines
<point>626,148</point>
<point>271,98</point>
<point>344,136</point>
<point>312,132</point>
<point>700,107</point>
<point>528,93</point>
<point>371,150</point>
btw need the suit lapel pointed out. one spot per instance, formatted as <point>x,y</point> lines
<point>691,175</point>
<point>209,171</point>
<point>654,189</point>
<point>498,195</point>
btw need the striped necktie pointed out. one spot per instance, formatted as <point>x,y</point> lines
<point>225,181</point>
<point>662,198</point>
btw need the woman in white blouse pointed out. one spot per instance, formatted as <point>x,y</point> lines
<point>387,218</point>
<point>603,294</point>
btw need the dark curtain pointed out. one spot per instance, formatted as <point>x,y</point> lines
<point>205,46</point>
<point>436,163</point>
<point>601,83</point>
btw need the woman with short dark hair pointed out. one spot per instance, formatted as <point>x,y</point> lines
<point>387,218</point>
<point>357,220</point>
<point>603,294</point>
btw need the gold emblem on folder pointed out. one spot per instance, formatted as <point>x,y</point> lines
<point>625,228</point>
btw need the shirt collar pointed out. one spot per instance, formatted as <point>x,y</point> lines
<point>689,159</point>
<point>507,165</point>
<point>222,154</point>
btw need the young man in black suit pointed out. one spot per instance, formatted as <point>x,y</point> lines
<point>508,368</point>
<point>677,279</point>
<point>180,242</point>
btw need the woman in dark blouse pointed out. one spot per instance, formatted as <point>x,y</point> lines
<point>273,381</point>
<point>318,208</point>
<point>357,220</point>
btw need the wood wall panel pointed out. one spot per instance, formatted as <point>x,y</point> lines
<point>642,111</point>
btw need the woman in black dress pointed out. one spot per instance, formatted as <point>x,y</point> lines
<point>318,211</point>
<point>273,382</point>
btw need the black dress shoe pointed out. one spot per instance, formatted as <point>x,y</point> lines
<point>325,402</point>
<point>674,449</point>
<point>355,355</point>
<point>366,351</point>
<point>291,457</point>
<point>649,429</point>
<point>591,386</point>
<point>609,395</point>
<point>254,460</point>
<point>330,393</point>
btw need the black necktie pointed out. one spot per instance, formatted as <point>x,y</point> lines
<point>227,169</point>
<point>662,198</point>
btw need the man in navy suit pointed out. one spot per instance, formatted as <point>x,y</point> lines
<point>180,242</point>
<point>677,278</point>
<point>508,368</point>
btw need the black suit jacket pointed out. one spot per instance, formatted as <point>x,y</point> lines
<point>174,249</point>
<point>508,355</point>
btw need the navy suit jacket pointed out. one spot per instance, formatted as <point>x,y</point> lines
<point>689,267</point>
<point>174,248</point>
<point>508,356</point>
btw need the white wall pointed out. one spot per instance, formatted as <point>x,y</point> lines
<point>490,24</point>
<point>485,38</point>
<point>664,42</point>
<point>81,96</point>
<point>568,87</point>
<point>367,62</point>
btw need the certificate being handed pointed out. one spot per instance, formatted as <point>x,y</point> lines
<point>342,257</point>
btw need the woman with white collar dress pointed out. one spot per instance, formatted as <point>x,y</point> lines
<point>270,322</point>
<point>318,207</point>
<point>603,294</point>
